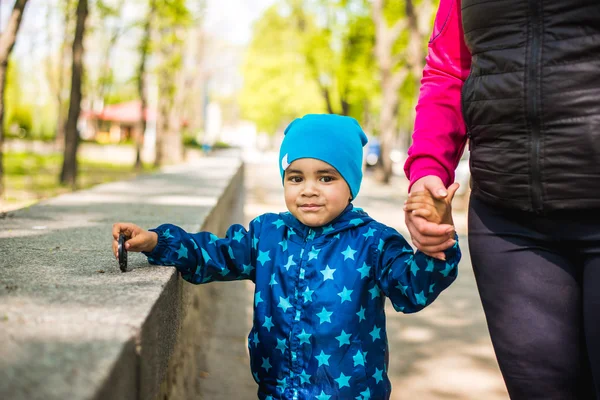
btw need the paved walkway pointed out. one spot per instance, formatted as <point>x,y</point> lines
<point>442,352</point>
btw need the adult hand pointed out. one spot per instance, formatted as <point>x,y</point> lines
<point>431,238</point>
<point>138,239</point>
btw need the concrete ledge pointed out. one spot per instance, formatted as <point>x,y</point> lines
<point>72,326</point>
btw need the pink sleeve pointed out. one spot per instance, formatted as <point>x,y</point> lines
<point>439,135</point>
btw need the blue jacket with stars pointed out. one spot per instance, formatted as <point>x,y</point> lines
<point>319,328</point>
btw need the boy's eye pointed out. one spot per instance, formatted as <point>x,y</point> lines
<point>295,179</point>
<point>327,179</point>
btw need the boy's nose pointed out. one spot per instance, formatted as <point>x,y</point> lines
<point>310,189</point>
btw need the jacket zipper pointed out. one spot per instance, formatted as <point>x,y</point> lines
<point>532,113</point>
<point>294,362</point>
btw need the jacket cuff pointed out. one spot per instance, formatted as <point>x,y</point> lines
<point>453,254</point>
<point>424,166</point>
<point>158,253</point>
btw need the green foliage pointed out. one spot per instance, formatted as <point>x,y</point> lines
<point>305,52</point>
<point>172,20</point>
<point>20,121</point>
<point>106,9</point>
<point>18,116</point>
<point>122,92</point>
<point>358,67</point>
<point>278,85</point>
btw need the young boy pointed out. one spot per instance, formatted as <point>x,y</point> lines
<point>322,270</point>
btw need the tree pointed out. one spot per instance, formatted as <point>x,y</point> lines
<point>278,85</point>
<point>400,53</point>
<point>68,173</point>
<point>338,42</point>
<point>113,26</point>
<point>173,17</point>
<point>195,72</point>
<point>309,56</point>
<point>56,71</point>
<point>144,49</point>
<point>7,41</point>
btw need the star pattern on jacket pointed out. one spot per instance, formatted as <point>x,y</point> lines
<point>327,273</point>
<point>319,296</point>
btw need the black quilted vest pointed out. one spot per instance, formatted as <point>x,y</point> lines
<point>532,102</point>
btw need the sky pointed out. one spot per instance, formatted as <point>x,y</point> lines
<point>229,20</point>
<point>233,18</point>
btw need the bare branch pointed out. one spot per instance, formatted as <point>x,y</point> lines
<point>397,29</point>
<point>9,35</point>
<point>378,12</point>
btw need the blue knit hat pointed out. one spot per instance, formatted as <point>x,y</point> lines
<point>334,139</point>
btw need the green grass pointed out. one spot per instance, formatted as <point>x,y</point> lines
<point>29,178</point>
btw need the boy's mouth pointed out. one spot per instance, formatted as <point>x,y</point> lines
<point>310,207</point>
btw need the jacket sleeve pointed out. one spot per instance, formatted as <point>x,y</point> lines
<point>411,280</point>
<point>203,257</point>
<point>439,134</point>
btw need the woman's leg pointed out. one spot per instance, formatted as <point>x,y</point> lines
<point>532,298</point>
<point>591,307</point>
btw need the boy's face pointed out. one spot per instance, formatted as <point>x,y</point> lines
<point>315,192</point>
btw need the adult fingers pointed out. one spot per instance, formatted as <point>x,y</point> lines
<point>422,227</point>
<point>433,249</point>
<point>440,255</point>
<point>429,243</point>
<point>423,242</point>
<point>436,188</point>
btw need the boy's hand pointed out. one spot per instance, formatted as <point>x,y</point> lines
<point>138,239</point>
<point>438,211</point>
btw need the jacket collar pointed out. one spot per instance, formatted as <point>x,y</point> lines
<point>350,218</point>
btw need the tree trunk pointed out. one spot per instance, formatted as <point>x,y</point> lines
<point>144,49</point>
<point>68,175</point>
<point>169,146</point>
<point>388,119</point>
<point>7,42</point>
<point>59,140</point>
<point>162,118</point>
<point>385,37</point>
<point>327,99</point>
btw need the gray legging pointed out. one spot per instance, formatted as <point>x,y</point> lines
<point>539,281</point>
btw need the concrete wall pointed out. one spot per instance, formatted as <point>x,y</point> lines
<point>72,326</point>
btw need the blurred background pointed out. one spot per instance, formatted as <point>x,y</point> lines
<point>98,90</point>
<point>103,90</point>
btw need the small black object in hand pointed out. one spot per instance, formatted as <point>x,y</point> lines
<point>122,253</point>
